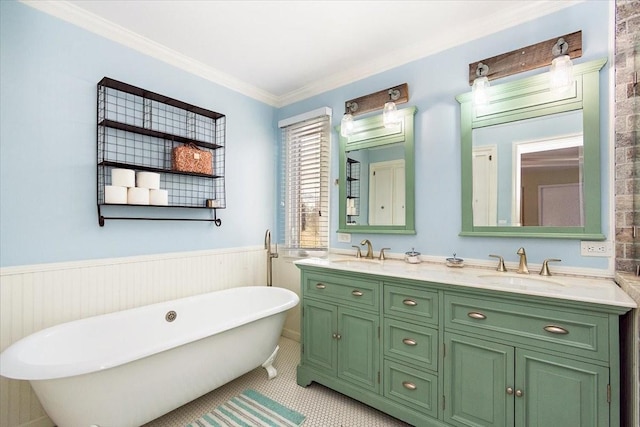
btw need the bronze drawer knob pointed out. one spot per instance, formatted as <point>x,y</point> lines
<point>409,386</point>
<point>410,302</point>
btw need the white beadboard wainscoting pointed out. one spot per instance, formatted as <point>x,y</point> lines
<point>287,275</point>
<point>38,296</point>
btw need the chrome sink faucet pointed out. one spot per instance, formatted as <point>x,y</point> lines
<point>522,267</point>
<point>369,254</point>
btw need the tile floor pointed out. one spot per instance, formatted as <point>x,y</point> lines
<point>323,407</point>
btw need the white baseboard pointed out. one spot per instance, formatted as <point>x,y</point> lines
<point>40,422</point>
<point>291,334</point>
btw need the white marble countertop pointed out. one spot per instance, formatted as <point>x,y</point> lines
<point>591,290</point>
<point>630,283</point>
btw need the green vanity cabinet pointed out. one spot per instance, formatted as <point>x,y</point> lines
<point>524,365</point>
<point>340,340</point>
<point>492,384</point>
<point>411,343</point>
<point>343,324</point>
<point>435,354</point>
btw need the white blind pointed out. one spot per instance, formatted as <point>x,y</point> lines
<point>306,183</point>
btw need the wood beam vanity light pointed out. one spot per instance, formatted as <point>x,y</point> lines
<point>527,58</point>
<point>375,101</point>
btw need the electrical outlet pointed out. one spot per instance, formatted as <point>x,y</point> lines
<point>344,237</point>
<point>602,249</point>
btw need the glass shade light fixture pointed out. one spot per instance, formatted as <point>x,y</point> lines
<point>385,99</point>
<point>346,124</point>
<point>390,116</point>
<point>480,86</point>
<point>561,71</point>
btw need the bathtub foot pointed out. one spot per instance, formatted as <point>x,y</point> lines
<point>268,365</point>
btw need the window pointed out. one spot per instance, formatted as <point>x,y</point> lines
<point>304,212</point>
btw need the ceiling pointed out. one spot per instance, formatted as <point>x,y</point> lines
<point>280,52</point>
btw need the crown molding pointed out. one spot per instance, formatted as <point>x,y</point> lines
<point>455,37</point>
<point>88,21</point>
<point>70,13</point>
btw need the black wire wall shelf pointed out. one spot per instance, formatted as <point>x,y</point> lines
<point>139,130</point>
<point>101,218</point>
<point>156,134</point>
<point>153,169</point>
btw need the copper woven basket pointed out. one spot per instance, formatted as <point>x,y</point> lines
<point>189,158</point>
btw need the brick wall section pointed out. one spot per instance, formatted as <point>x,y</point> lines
<point>627,133</point>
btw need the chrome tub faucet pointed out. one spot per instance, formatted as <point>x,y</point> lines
<point>270,256</point>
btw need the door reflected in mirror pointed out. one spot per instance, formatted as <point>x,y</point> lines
<point>376,186</point>
<point>529,173</point>
<point>551,183</point>
<point>386,193</point>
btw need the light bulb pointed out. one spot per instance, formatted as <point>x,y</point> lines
<point>479,91</point>
<point>561,74</point>
<point>346,125</point>
<point>390,115</point>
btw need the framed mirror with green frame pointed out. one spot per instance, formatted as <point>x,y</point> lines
<point>531,159</point>
<point>376,181</point>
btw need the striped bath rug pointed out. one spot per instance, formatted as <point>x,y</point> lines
<point>250,409</point>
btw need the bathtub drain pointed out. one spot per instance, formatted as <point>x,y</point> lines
<point>171,316</point>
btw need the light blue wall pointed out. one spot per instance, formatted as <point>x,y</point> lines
<point>434,82</point>
<point>48,75</point>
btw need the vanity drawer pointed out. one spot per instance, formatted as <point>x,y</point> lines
<point>416,305</point>
<point>343,290</point>
<point>532,324</point>
<point>416,345</point>
<point>411,387</point>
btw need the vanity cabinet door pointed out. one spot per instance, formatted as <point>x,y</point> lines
<point>557,391</point>
<point>476,376</point>
<point>343,342</point>
<point>319,329</point>
<point>359,348</point>
<point>492,384</point>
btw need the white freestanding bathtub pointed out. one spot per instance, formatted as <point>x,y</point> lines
<point>130,367</point>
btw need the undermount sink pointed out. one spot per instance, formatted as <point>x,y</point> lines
<point>356,261</point>
<point>519,280</point>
